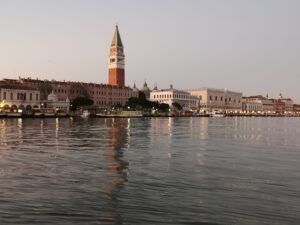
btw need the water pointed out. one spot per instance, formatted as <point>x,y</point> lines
<point>150,171</point>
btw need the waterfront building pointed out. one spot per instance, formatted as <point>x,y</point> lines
<point>297,109</point>
<point>211,99</point>
<point>252,103</point>
<point>251,106</point>
<point>283,105</point>
<point>171,95</point>
<point>54,103</point>
<point>18,97</point>
<point>103,95</point>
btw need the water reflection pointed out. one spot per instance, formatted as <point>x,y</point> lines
<point>118,133</point>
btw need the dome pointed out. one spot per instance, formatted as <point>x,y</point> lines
<point>135,89</point>
<point>52,97</point>
<point>145,88</point>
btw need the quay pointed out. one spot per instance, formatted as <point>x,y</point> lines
<point>136,114</point>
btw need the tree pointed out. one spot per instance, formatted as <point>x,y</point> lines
<point>81,101</point>
<point>164,107</point>
<point>141,102</point>
<point>177,106</point>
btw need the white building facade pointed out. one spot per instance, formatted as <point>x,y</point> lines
<point>171,95</point>
<point>211,99</point>
<point>18,97</point>
<point>55,104</point>
<point>258,103</point>
<point>252,107</point>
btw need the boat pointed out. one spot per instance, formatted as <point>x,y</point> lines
<point>217,114</point>
<point>48,112</point>
<point>14,114</point>
<point>2,114</point>
<point>61,113</point>
<point>85,114</point>
<point>123,114</point>
<point>37,113</point>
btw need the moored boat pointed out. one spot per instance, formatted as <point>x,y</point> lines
<point>2,114</point>
<point>122,114</point>
<point>85,114</point>
<point>14,114</point>
<point>217,114</point>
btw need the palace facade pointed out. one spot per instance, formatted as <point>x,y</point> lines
<point>171,95</point>
<point>211,99</point>
<point>14,97</point>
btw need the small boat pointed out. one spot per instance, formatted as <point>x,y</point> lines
<point>38,113</point>
<point>123,114</point>
<point>85,114</point>
<point>61,113</point>
<point>217,114</point>
<point>48,112</point>
<point>14,114</point>
<point>2,114</point>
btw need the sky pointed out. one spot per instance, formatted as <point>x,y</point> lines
<point>248,46</point>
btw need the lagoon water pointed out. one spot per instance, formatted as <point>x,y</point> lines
<point>150,171</point>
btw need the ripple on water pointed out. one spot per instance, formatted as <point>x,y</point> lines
<point>150,171</point>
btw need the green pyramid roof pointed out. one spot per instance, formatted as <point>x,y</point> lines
<point>116,41</point>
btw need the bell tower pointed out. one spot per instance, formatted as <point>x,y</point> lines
<point>116,68</point>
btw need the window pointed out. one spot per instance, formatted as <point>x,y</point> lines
<point>11,96</point>
<point>30,97</point>
<point>216,98</point>
<point>4,95</point>
<point>221,98</point>
<point>200,97</point>
<point>210,98</point>
<point>37,97</point>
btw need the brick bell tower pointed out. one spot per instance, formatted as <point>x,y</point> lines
<point>116,74</point>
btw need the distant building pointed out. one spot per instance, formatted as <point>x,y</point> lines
<point>283,105</point>
<point>146,90</point>
<point>104,95</point>
<point>258,103</point>
<point>171,95</point>
<point>297,109</point>
<point>251,106</point>
<point>53,103</point>
<point>17,96</point>
<point>211,99</point>
<point>135,89</point>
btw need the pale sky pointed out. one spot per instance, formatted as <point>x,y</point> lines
<point>250,46</point>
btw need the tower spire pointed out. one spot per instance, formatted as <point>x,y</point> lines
<point>116,41</point>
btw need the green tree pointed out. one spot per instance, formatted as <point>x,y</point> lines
<point>164,107</point>
<point>81,101</point>
<point>177,106</point>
